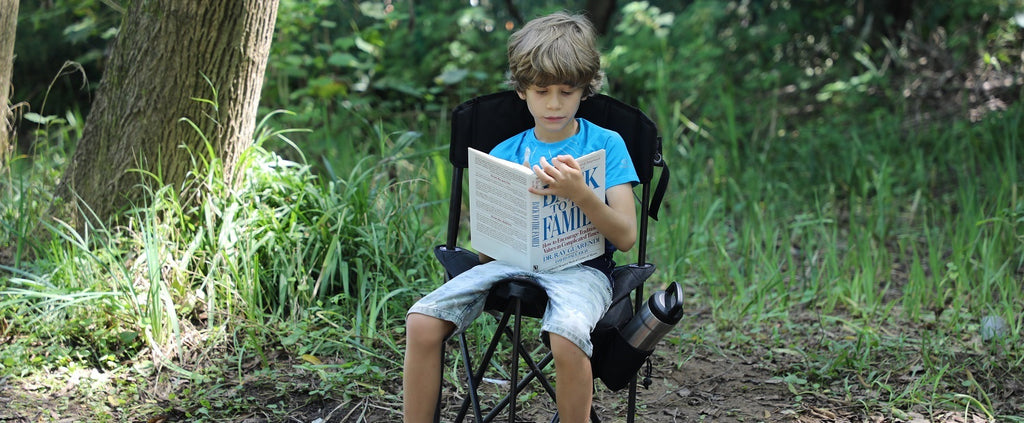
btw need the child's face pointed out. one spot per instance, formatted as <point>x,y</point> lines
<point>554,110</point>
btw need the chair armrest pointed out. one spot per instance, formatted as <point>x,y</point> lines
<point>455,260</point>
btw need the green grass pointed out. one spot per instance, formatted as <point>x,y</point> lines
<point>318,265</point>
<point>819,226</point>
<point>903,239</point>
<point>871,249</point>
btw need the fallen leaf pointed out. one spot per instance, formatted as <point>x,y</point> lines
<point>311,359</point>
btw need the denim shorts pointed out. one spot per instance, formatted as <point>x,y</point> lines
<point>578,297</point>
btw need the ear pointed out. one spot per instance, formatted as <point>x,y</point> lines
<point>586,95</point>
<point>522,95</point>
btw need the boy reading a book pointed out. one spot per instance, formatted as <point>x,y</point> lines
<point>553,65</point>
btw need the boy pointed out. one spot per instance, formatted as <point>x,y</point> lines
<point>553,65</point>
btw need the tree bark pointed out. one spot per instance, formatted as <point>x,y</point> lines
<point>174,62</point>
<point>8,28</point>
<point>600,14</point>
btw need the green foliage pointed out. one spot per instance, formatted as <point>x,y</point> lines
<point>344,69</point>
<point>283,260</point>
<point>27,181</point>
<point>53,32</point>
<point>651,46</point>
<point>817,210</point>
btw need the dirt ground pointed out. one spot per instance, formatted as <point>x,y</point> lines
<point>690,382</point>
<point>710,385</point>
<point>720,388</point>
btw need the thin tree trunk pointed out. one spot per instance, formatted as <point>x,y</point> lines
<point>174,62</point>
<point>8,28</point>
<point>600,13</point>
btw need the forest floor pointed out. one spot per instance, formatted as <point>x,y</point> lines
<point>717,386</point>
<point>692,381</point>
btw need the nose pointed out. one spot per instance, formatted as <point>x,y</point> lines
<point>554,103</point>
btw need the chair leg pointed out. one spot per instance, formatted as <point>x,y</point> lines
<point>535,373</point>
<point>472,381</point>
<point>474,378</point>
<point>631,407</point>
<point>437,410</point>
<point>515,361</point>
<point>440,389</point>
<point>516,384</point>
<point>594,418</point>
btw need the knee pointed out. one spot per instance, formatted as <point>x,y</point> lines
<point>426,331</point>
<point>563,349</point>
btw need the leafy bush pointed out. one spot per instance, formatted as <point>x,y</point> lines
<point>282,246</point>
<point>807,179</point>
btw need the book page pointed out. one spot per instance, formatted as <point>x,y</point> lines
<point>534,232</point>
<point>499,207</point>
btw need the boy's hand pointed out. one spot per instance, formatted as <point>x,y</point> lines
<point>562,177</point>
<point>616,219</point>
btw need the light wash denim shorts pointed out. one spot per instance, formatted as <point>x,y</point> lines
<point>578,297</point>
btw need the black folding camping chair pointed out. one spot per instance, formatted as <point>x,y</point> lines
<point>482,123</point>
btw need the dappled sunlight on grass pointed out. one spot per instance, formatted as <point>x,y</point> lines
<point>846,214</point>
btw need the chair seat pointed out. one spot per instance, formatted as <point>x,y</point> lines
<point>533,299</point>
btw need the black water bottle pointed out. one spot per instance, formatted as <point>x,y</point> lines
<point>656,318</point>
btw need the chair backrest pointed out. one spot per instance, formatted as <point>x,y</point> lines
<point>484,122</point>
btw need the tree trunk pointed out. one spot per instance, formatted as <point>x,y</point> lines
<point>600,14</point>
<point>174,62</point>
<point>8,26</point>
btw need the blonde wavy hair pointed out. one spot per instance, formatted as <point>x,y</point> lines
<point>559,48</point>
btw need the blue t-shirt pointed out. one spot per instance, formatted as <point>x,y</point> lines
<point>618,165</point>
<point>589,138</point>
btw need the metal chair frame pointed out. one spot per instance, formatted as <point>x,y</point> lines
<point>482,123</point>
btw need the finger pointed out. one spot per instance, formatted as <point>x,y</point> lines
<point>559,164</point>
<point>568,161</point>
<point>542,174</point>
<point>548,167</point>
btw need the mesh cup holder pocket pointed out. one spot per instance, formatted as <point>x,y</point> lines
<point>617,361</point>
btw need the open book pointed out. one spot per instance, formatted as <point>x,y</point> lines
<point>535,232</point>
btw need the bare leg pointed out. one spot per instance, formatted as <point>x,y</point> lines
<point>574,382</point>
<point>421,381</point>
